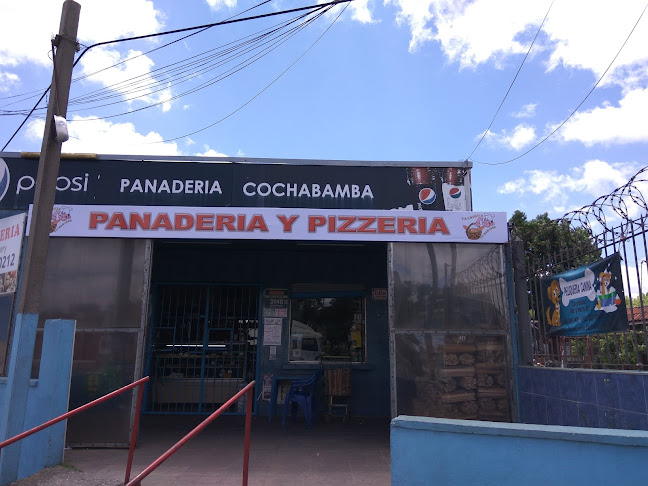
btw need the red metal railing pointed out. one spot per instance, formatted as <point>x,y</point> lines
<point>249,389</point>
<point>133,439</point>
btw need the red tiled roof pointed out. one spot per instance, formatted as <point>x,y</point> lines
<point>637,314</point>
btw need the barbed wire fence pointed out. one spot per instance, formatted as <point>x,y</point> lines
<point>612,223</point>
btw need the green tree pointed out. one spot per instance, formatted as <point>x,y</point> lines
<point>550,247</point>
<point>638,301</point>
<point>553,246</point>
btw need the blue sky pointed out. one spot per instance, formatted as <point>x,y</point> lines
<point>412,80</point>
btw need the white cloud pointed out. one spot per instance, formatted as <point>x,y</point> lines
<point>472,33</point>
<point>26,38</point>
<point>527,111</point>
<point>523,135</point>
<point>625,123</point>
<point>131,79</point>
<point>104,137</point>
<point>417,15</point>
<point>634,280</point>
<point>8,81</point>
<point>469,33</point>
<point>588,38</point>
<point>218,4</point>
<point>189,142</point>
<point>595,178</point>
<point>164,97</point>
<point>211,153</point>
<point>359,10</point>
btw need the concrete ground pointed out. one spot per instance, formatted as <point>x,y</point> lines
<point>354,454</point>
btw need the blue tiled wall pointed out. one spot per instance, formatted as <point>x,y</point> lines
<point>585,398</point>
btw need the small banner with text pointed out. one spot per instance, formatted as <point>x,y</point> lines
<point>587,300</point>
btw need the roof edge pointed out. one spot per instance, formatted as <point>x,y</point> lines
<point>247,160</point>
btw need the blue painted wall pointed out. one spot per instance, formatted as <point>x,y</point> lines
<point>427,452</point>
<point>586,398</point>
<point>26,403</point>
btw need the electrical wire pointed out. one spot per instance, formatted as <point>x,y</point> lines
<point>169,43</point>
<point>178,67</point>
<point>200,27</point>
<point>260,92</point>
<point>180,70</point>
<point>209,82</point>
<point>512,82</point>
<point>33,94</point>
<point>193,74</point>
<point>579,105</point>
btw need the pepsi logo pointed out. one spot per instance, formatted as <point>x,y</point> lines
<point>427,195</point>
<point>455,193</point>
<point>4,178</point>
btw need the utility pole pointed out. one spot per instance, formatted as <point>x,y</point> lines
<point>48,164</point>
<point>12,414</point>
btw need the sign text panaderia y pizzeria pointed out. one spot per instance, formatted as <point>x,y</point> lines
<point>277,224</point>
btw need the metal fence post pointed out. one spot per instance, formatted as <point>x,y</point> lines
<point>133,440</point>
<point>248,427</point>
<point>522,301</point>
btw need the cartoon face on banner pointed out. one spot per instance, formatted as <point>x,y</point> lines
<point>587,300</point>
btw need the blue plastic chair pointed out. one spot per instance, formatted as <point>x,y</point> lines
<point>302,392</point>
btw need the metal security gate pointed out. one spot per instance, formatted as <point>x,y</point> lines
<point>203,346</point>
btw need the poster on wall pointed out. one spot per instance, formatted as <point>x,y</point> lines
<point>12,230</point>
<point>587,300</point>
<point>275,311</point>
<point>272,331</point>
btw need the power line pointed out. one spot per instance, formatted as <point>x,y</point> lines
<point>200,59</point>
<point>242,65</point>
<point>31,94</point>
<point>579,105</point>
<point>169,43</point>
<point>256,43</point>
<point>512,82</point>
<point>182,71</point>
<point>214,24</point>
<point>187,29</point>
<point>260,92</point>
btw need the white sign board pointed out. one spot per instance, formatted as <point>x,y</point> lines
<point>12,230</point>
<point>278,224</point>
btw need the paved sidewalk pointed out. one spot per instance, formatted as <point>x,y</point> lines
<point>355,454</point>
<point>65,476</point>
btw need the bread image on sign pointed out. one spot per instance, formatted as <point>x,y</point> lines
<point>480,227</point>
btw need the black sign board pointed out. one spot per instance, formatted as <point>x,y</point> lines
<point>215,184</point>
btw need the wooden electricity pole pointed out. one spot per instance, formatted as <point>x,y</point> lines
<point>48,164</point>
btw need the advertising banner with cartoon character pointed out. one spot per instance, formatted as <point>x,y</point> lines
<point>587,300</point>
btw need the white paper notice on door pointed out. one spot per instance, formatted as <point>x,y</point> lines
<point>272,331</point>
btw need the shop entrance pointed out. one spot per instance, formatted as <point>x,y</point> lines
<point>202,346</point>
<point>298,301</point>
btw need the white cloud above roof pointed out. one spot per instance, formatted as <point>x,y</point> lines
<point>99,21</point>
<point>609,124</point>
<point>594,178</point>
<point>105,137</point>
